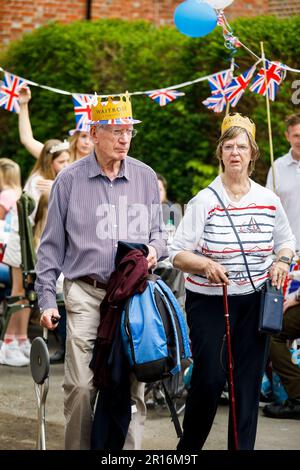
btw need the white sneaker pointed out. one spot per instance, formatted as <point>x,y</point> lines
<point>11,355</point>
<point>25,347</point>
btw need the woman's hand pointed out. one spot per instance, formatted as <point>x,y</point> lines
<point>215,273</point>
<point>278,273</point>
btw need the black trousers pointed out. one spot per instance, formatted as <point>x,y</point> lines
<point>280,355</point>
<point>205,317</point>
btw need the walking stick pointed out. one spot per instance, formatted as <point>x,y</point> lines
<point>230,367</point>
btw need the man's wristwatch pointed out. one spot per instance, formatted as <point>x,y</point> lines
<point>284,259</point>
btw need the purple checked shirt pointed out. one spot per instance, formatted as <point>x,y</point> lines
<point>88,214</point>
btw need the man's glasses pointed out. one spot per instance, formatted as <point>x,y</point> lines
<point>117,133</point>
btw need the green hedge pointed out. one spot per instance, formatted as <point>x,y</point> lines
<point>110,56</point>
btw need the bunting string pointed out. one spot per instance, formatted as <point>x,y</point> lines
<point>63,92</point>
<point>225,89</point>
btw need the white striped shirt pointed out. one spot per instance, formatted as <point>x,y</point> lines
<point>262,226</point>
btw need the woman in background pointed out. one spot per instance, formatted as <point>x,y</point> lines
<point>53,158</point>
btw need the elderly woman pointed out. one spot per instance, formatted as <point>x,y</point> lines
<point>205,246</point>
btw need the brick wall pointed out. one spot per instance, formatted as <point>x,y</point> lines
<point>19,16</point>
<point>282,8</point>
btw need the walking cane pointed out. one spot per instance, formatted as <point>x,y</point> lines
<point>230,367</point>
<point>40,365</point>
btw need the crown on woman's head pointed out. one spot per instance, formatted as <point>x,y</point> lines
<point>116,110</point>
<point>60,147</point>
<point>237,120</point>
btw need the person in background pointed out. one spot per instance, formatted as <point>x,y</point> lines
<point>280,355</point>
<point>172,212</point>
<point>287,176</point>
<point>10,191</point>
<point>206,247</point>
<point>80,141</point>
<point>112,194</point>
<point>172,215</point>
<point>80,146</point>
<point>39,224</point>
<point>53,158</point>
<point>287,184</point>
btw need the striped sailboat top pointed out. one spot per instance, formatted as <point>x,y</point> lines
<point>205,230</point>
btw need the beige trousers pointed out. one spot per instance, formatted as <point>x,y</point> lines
<point>83,316</point>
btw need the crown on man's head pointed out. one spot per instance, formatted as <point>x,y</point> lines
<point>237,120</point>
<point>60,147</point>
<point>116,110</point>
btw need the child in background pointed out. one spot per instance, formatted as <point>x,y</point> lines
<point>10,191</point>
<point>15,350</point>
<point>40,222</point>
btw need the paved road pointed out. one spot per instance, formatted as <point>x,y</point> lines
<point>18,423</point>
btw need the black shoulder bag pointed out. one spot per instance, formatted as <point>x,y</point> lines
<point>271,304</point>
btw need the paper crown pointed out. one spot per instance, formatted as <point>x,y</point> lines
<point>116,110</point>
<point>60,147</point>
<point>237,120</point>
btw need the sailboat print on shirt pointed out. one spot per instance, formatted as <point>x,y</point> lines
<point>240,279</point>
<point>250,227</point>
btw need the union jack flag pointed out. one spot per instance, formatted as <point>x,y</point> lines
<point>236,88</point>
<point>9,92</point>
<point>82,109</point>
<point>274,76</point>
<point>219,81</point>
<point>217,101</point>
<point>293,284</point>
<point>163,97</point>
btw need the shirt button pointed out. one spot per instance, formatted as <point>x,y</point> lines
<point>115,225</point>
<point>111,185</point>
<point>113,206</point>
<point>116,245</point>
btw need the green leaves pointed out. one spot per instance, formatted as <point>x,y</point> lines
<point>111,56</point>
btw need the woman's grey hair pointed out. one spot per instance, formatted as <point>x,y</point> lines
<point>231,133</point>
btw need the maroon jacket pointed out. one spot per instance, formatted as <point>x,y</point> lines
<point>129,277</point>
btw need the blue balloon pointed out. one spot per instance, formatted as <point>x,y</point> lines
<point>195,18</point>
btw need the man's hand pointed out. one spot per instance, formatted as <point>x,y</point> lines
<point>152,257</point>
<point>24,95</point>
<point>49,318</point>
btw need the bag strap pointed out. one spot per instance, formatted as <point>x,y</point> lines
<point>236,234</point>
<point>172,410</point>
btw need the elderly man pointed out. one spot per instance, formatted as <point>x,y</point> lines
<point>99,200</point>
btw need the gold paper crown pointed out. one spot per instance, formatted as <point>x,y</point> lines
<point>118,107</point>
<point>237,120</point>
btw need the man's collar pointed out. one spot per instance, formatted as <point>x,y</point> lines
<point>291,160</point>
<point>96,170</point>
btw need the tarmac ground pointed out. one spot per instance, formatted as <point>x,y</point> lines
<point>18,418</point>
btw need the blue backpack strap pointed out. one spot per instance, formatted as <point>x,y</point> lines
<point>177,368</point>
<point>180,316</point>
